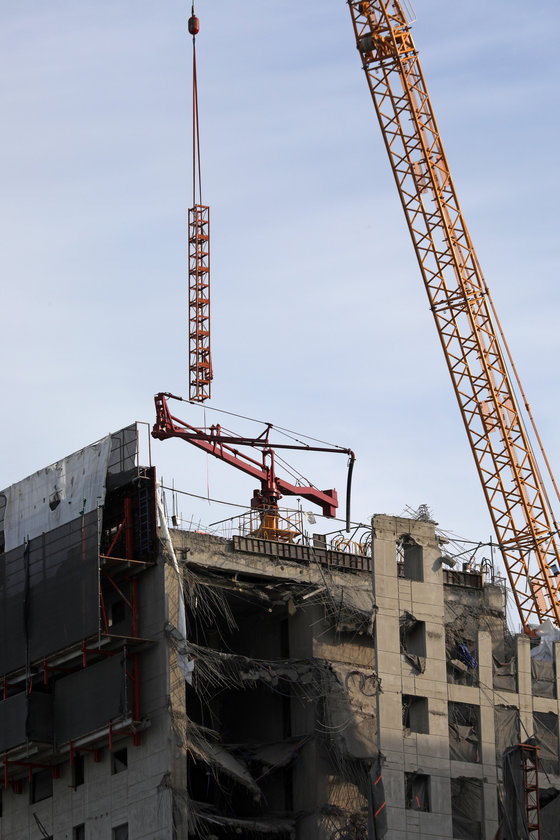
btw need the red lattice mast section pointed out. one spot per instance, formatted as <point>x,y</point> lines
<point>530,768</point>
<point>200,359</point>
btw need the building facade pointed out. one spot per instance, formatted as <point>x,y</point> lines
<point>159,683</point>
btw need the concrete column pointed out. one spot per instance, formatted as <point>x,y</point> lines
<point>487,734</point>
<point>388,659</point>
<point>524,687</point>
<point>488,746</point>
<point>309,779</point>
<point>176,689</point>
<point>557,671</point>
<point>416,752</point>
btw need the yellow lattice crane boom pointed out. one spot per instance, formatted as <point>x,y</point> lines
<point>468,328</point>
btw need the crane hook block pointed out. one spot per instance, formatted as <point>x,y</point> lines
<point>194,25</point>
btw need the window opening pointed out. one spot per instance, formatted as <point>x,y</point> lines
<point>466,808</point>
<point>546,731</point>
<point>461,652</point>
<point>411,556</point>
<point>79,832</point>
<point>117,613</point>
<point>120,832</point>
<point>119,761</point>
<point>41,786</point>
<point>464,732</point>
<point>415,713</point>
<point>507,729</point>
<point>543,678</point>
<point>417,791</point>
<point>78,774</point>
<point>413,641</point>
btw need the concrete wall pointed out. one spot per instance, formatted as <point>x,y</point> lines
<point>140,795</point>
<point>406,753</point>
<point>429,754</point>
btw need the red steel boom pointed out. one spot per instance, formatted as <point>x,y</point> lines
<point>215,443</point>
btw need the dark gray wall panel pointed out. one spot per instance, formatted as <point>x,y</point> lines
<point>63,578</point>
<point>40,717</point>
<point>25,716</point>
<point>49,593</point>
<point>13,715</point>
<point>91,698</point>
<point>12,611</point>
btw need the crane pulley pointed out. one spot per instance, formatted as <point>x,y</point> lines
<point>462,308</point>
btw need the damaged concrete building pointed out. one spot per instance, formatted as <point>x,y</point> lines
<point>161,683</point>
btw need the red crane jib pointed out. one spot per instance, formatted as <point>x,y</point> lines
<point>214,443</point>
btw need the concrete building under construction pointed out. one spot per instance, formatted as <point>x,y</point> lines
<point>160,683</point>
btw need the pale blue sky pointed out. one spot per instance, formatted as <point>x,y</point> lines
<point>320,321</point>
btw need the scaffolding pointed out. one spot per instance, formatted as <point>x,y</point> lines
<point>530,766</point>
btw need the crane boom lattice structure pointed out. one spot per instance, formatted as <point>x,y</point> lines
<point>462,308</point>
<point>200,361</point>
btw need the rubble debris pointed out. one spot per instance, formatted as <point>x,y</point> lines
<point>273,756</point>
<point>221,760</point>
<point>340,697</point>
<point>350,608</point>
<point>548,634</point>
<point>278,826</point>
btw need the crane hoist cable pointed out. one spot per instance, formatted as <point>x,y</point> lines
<point>194,29</point>
<point>200,357</point>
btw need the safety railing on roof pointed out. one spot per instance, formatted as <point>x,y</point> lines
<point>278,524</point>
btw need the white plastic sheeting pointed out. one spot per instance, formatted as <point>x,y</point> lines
<point>548,634</point>
<point>56,494</point>
<point>185,663</point>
